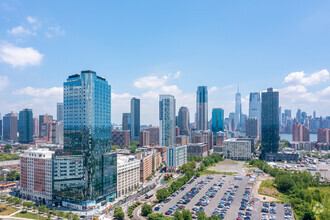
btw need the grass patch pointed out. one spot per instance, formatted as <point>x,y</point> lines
<point>268,188</point>
<point>7,210</point>
<point>30,216</point>
<point>325,191</point>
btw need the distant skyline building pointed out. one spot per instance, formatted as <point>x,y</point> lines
<point>238,111</point>
<point>126,122</point>
<point>135,119</point>
<point>167,135</point>
<point>183,120</point>
<point>10,127</point>
<point>25,126</point>
<point>255,107</point>
<point>269,123</point>
<point>201,108</point>
<point>60,113</point>
<point>35,126</point>
<point>87,133</point>
<point>44,119</point>
<point>217,120</point>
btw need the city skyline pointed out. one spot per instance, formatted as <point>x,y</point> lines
<point>39,48</point>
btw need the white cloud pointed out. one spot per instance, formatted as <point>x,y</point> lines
<point>177,74</point>
<point>54,31</point>
<point>150,82</point>
<point>41,92</point>
<point>19,56</point>
<point>300,78</point>
<point>213,89</point>
<point>19,31</point>
<point>4,82</point>
<point>31,20</point>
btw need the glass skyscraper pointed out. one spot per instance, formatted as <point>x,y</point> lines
<point>126,121</point>
<point>60,111</point>
<point>183,120</point>
<point>217,120</point>
<point>269,123</point>
<point>25,126</point>
<point>238,111</point>
<point>135,119</point>
<point>87,133</point>
<point>201,108</point>
<point>166,120</point>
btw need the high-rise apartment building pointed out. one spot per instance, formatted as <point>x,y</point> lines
<point>135,119</point>
<point>0,128</point>
<point>300,132</point>
<point>252,127</point>
<point>238,111</point>
<point>153,136</point>
<point>37,175</point>
<point>201,108</point>
<point>60,113</point>
<point>166,120</point>
<point>323,135</point>
<point>126,122</point>
<point>176,156</point>
<point>144,138</point>
<point>269,122</point>
<point>44,119</point>
<point>183,120</point>
<point>87,132</point>
<point>25,126</point>
<point>10,124</point>
<point>217,120</point>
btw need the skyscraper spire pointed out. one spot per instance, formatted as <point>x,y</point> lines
<point>238,88</point>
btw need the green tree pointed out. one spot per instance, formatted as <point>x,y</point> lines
<point>284,183</point>
<point>60,214</point>
<point>178,215</point>
<point>146,210</point>
<point>201,216</point>
<point>118,213</point>
<point>308,215</point>
<point>75,217</point>
<point>186,214</point>
<point>8,148</point>
<point>13,175</point>
<point>162,194</point>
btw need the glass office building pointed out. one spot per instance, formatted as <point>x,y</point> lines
<point>87,133</point>
<point>269,123</point>
<point>217,120</point>
<point>25,126</point>
<point>135,119</point>
<point>201,108</point>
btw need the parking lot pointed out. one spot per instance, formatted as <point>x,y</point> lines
<point>228,196</point>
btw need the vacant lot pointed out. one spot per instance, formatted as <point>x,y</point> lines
<point>30,216</point>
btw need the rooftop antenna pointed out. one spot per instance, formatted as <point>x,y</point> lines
<point>237,88</point>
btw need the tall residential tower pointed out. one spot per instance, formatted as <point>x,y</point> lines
<point>166,120</point>
<point>201,108</point>
<point>135,119</point>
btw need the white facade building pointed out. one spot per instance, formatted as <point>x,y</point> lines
<point>237,149</point>
<point>128,174</point>
<point>176,156</point>
<point>36,174</point>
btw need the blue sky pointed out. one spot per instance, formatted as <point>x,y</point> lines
<point>145,48</point>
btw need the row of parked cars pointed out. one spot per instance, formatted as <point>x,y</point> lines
<point>225,201</point>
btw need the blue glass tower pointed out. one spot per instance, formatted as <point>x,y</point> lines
<point>201,108</point>
<point>217,120</point>
<point>87,132</point>
<point>25,126</point>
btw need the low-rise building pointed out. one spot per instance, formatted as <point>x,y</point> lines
<point>237,149</point>
<point>161,149</point>
<point>198,149</point>
<point>10,165</point>
<point>176,156</point>
<point>128,174</point>
<point>36,175</point>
